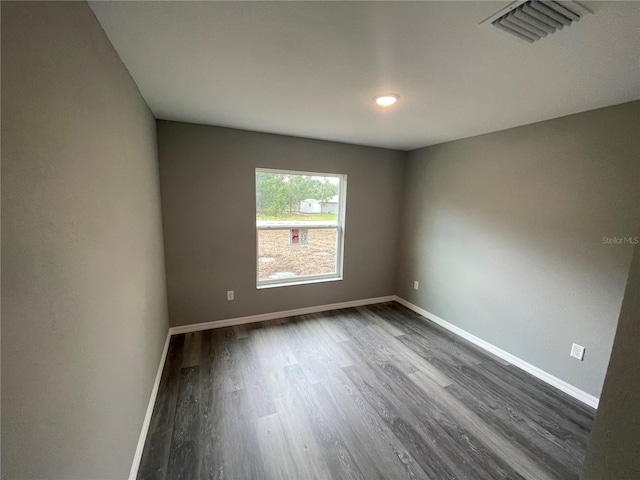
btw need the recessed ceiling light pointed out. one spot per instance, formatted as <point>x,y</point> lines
<point>387,100</point>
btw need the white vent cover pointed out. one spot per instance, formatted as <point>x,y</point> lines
<point>532,20</point>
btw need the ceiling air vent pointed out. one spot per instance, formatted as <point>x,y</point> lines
<point>535,19</point>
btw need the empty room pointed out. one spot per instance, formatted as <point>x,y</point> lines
<point>261,240</point>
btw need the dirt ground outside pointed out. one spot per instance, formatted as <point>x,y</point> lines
<point>278,259</point>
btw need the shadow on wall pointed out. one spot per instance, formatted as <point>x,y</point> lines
<point>615,439</point>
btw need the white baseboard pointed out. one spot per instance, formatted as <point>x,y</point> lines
<point>195,327</point>
<point>147,417</point>
<point>512,359</point>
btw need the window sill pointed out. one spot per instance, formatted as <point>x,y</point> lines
<point>298,282</point>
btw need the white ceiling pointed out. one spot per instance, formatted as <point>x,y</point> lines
<point>312,68</point>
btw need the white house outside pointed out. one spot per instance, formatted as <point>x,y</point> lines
<point>331,206</point>
<point>310,205</point>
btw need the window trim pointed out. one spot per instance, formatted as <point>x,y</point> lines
<point>339,226</point>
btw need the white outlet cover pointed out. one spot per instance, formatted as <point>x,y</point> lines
<point>230,295</point>
<point>416,284</point>
<point>577,351</point>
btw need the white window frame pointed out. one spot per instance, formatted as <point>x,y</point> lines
<point>338,226</point>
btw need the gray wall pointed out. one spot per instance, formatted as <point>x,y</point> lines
<point>615,439</point>
<point>83,290</point>
<point>207,177</point>
<point>504,232</point>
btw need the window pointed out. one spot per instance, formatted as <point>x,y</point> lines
<point>299,227</point>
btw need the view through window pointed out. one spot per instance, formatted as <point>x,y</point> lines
<point>299,226</point>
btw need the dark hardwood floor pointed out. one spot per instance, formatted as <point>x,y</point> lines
<point>364,393</point>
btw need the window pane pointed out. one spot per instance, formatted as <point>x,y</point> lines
<point>278,258</point>
<point>283,198</point>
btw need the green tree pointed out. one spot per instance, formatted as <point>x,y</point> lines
<point>299,188</point>
<point>325,190</point>
<point>271,194</point>
<point>278,193</point>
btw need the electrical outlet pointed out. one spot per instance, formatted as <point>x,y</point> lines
<point>416,284</point>
<point>230,295</point>
<point>577,351</point>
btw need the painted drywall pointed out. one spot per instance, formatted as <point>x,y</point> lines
<point>615,439</point>
<point>207,177</point>
<point>83,290</point>
<point>505,232</point>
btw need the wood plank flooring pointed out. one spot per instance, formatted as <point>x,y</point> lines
<point>364,393</point>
